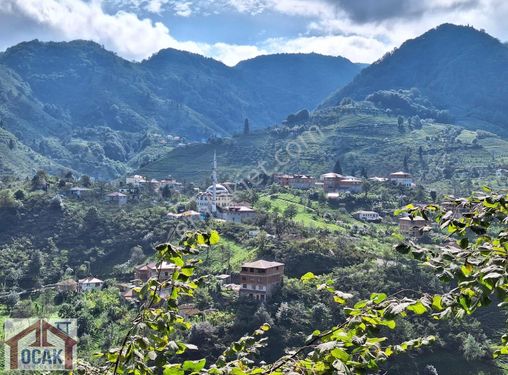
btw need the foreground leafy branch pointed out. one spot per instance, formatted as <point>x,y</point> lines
<point>476,258</point>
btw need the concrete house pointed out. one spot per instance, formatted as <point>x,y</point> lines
<point>371,216</point>
<point>146,271</point>
<point>302,182</point>
<point>90,283</point>
<point>259,279</point>
<point>237,214</point>
<point>135,180</point>
<point>117,197</point>
<point>411,227</point>
<point>334,182</point>
<point>401,178</point>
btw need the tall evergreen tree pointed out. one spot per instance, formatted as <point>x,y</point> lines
<point>246,127</point>
<point>337,168</point>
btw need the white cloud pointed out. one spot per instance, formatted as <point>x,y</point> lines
<point>155,6</point>
<point>122,32</point>
<point>183,9</point>
<point>356,48</point>
<point>329,29</point>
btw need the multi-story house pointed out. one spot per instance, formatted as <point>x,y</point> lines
<point>89,283</point>
<point>412,226</point>
<point>237,214</point>
<point>260,278</point>
<point>152,269</point>
<point>301,182</point>
<point>401,178</point>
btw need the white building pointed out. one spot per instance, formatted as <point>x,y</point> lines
<point>367,216</point>
<point>135,180</point>
<point>216,195</point>
<point>89,283</point>
<point>301,182</point>
<point>237,214</point>
<point>204,200</point>
<point>401,179</point>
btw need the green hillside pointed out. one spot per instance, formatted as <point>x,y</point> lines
<point>459,68</point>
<point>86,108</point>
<point>15,157</point>
<point>368,140</point>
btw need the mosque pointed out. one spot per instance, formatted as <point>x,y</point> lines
<point>216,195</point>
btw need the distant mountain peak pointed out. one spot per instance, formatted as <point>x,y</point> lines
<point>459,68</point>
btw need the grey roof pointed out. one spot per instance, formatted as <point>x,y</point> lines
<point>264,264</point>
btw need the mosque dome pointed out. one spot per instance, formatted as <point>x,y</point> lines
<point>220,189</point>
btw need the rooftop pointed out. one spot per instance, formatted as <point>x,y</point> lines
<point>331,175</point>
<point>239,209</point>
<point>153,266</point>
<point>116,194</point>
<point>263,264</point>
<point>366,212</point>
<point>219,189</point>
<point>400,174</point>
<point>416,218</point>
<point>90,280</point>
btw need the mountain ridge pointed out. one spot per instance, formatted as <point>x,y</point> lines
<point>53,92</point>
<point>459,68</point>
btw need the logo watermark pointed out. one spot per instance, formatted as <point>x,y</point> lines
<point>40,344</point>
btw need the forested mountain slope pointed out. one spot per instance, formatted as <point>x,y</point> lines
<point>459,68</point>
<point>77,93</point>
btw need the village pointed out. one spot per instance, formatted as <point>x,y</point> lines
<point>257,279</point>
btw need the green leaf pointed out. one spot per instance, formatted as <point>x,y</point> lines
<point>340,354</point>
<point>341,297</point>
<point>464,243</point>
<point>173,370</point>
<point>378,297</point>
<point>308,276</point>
<point>436,302</point>
<point>214,237</point>
<point>187,271</point>
<point>467,269</point>
<point>418,308</point>
<point>389,323</point>
<point>194,366</point>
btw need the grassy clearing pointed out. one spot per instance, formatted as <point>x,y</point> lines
<point>226,256</point>
<point>305,216</point>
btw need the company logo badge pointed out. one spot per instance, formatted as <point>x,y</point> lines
<point>40,344</point>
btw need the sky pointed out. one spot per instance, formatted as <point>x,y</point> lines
<point>235,30</point>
